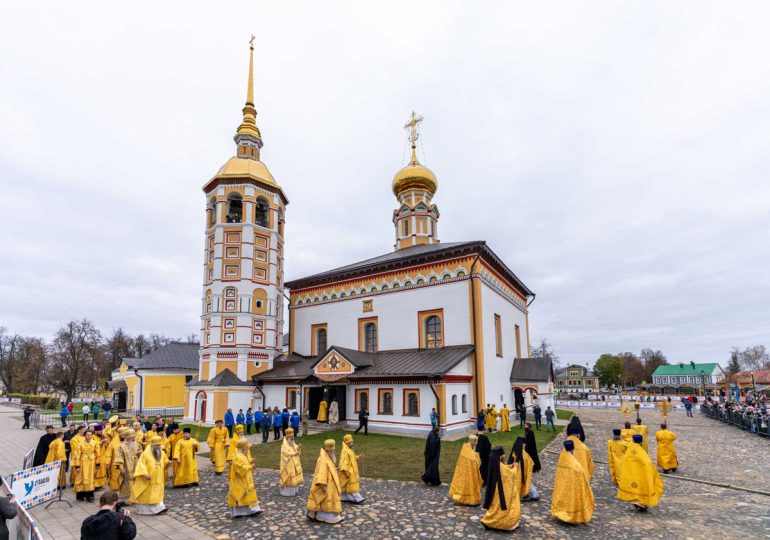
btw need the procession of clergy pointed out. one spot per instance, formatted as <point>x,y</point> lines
<point>138,466</point>
<point>506,484</point>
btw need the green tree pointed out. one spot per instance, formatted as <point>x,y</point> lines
<point>734,366</point>
<point>609,369</point>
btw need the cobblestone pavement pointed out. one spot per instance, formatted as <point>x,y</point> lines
<point>708,450</point>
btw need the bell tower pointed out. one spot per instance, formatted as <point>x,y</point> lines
<point>416,218</point>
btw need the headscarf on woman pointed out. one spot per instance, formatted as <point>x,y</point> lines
<point>518,450</point>
<point>574,423</point>
<point>494,480</point>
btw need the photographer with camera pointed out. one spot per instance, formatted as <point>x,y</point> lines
<point>112,522</point>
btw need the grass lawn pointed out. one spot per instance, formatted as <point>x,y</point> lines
<point>389,456</point>
<point>563,414</point>
<point>201,433</point>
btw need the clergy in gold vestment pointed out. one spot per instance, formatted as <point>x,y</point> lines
<point>505,418</point>
<point>103,467</point>
<point>643,431</point>
<point>126,457</point>
<point>627,433</point>
<point>667,459</point>
<point>237,434</point>
<point>502,495</point>
<point>572,500</point>
<point>138,434</point>
<point>112,454</point>
<point>323,412</point>
<point>323,502</point>
<point>350,480</point>
<point>290,467</point>
<point>186,461</point>
<point>148,489</point>
<point>616,449</point>
<point>583,455</point>
<point>56,453</point>
<point>74,443</point>
<point>490,421</point>
<point>218,440</point>
<point>85,468</point>
<point>465,488</point>
<point>242,494</point>
<point>518,455</point>
<point>639,481</point>
<point>168,447</point>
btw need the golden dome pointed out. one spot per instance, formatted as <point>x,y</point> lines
<point>237,167</point>
<point>414,176</point>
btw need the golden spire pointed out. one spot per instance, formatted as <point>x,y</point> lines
<point>248,133</point>
<point>414,134</point>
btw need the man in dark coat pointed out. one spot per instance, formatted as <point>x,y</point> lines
<point>71,432</point>
<point>363,420</point>
<point>530,445</point>
<point>432,453</point>
<point>7,511</point>
<point>107,524</point>
<point>42,446</point>
<point>27,415</point>
<point>483,447</point>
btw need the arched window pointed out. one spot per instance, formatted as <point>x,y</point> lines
<point>211,213</point>
<point>454,404</point>
<point>432,279</point>
<point>321,341</point>
<point>384,287</point>
<point>387,403</point>
<point>407,283</point>
<point>465,403</point>
<point>263,209</point>
<point>412,404</point>
<point>433,336</point>
<point>420,281</point>
<point>280,222</point>
<point>234,208</point>
<point>370,337</point>
<point>363,401</point>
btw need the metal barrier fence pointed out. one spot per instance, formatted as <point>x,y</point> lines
<point>40,419</point>
<point>749,423</point>
<point>21,527</point>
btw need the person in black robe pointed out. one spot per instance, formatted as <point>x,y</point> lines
<point>41,452</point>
<point>432,453</point>
<point>575,424</point>
<point>530,446</point>
<point>71,432</point>
<point>496,456</point>
<point>483,447</point>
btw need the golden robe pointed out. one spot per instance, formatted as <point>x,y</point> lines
<point>465,488</point>
<point>242,491</point>
<point>187,466</point>
<point>583,455</point>
<point>627,435</point>
<point>231,451</point>
<point>505,419</point>
<point>112,454</point>
<point>74,443</point>
<point>496,517</point>
<point>218,440</point>
<point>291,466</point>
<point>642,429</point>
<point>325,474</point>
<point>490,420</point>
<point>323,412</point>
<point>572,500</point>
<point>125,461</point>
<point>350,482</point>
<point>639,480</point>
<point>168,447</point>
<point>529,465</point>
<point>100,479</point>
<point>615,452</point>
<point>56,453</point>
<point>139,437</point>
<point>666,453</point>
<point>149,492</point>
<point>85,458</point>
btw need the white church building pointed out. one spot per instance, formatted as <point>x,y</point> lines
<point>428,325</point>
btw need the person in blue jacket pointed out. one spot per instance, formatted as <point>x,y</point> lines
<point>294,421</point>
<point>64,413</point>
<point>258,420</point>
<point>285,421</point>
<point>249,420</point>
<point>240,418</point>
<point>229,421</point>
<point>480,420</point>
<point>266,422</point>
<point>277,423</point>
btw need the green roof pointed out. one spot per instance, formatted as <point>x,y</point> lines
<point>686,369</point>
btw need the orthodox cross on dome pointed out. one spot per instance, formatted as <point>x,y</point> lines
<point>251,42</point>
<point>412,125</point>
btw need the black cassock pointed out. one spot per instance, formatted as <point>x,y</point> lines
<point>530,446</point>
<point>41,452</point>
<point>483,447</point>
<point>432,452</point>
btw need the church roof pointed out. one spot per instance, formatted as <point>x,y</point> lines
<point>531,369</point>
<point>224,378</point>
<point>410,256</point>
<point>175,355</point>
<point>690,368</point>
<point>383,364</point>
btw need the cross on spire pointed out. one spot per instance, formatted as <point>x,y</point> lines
<point>412,125</point>
<point>251,42</point>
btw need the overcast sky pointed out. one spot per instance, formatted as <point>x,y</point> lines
<point>614,155</point>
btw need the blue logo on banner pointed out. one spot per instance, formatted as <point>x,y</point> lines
<point>28,486</point>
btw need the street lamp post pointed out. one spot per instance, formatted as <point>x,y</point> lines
<point>703,382</point>
<point>753,388</point>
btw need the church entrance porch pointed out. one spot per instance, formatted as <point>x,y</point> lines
<point>329,393</point>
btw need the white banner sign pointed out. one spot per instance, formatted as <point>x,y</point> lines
<point>36,485</point>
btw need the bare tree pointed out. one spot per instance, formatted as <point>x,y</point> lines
<point>77,355</point>
<point>158,340</point>
<point>9,358</point>
<point>633,369</point>
<point>141,346</point>
<point>544,349</point>
<point>734,366</point>
<point>754,358</point>
<point>119,346</point>
<point>33,365</point>
<point>651,360</point>
<point>192,338</point>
